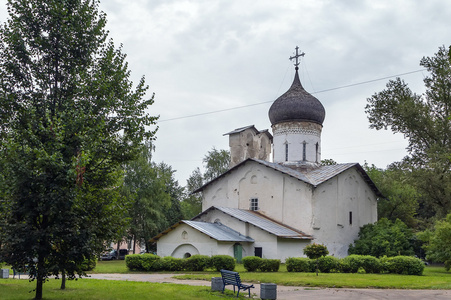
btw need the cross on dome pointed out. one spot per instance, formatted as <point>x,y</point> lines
<point>296,57</point>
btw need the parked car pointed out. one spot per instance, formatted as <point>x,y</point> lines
<point>123,253</point>
<point>109,255</point>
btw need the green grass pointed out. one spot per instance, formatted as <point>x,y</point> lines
<point>91,289</point>
<point>433,278</point>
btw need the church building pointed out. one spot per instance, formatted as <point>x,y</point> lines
<point>272,204</point>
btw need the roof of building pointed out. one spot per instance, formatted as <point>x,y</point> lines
<point>241,129</point>
<point>297,104</point>
<point>216,231</point>
<point>314,177</point>
<point>261,221</point>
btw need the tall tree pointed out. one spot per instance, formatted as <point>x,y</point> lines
<point>192,203</point>
<point>70,117</point>
<point>148,196</point>
<point>425,121</point>
<point>401,197</point>
<point>215,162</point>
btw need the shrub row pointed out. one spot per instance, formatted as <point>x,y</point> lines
<point>151,262</point>
<point>254,263</point>
<point>406,265</point>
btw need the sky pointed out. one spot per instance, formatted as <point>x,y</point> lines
<point>218,65</point>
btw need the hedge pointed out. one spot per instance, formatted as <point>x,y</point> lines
<point>299,264</point>
<point>406,265</point>
<point>269,265</point>
<point>352,264</point>
<point>223,262</point>
<point>252,263</point>
<point>197,262</point>
<point>329,264</point>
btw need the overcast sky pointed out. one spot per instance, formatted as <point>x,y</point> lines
<point>201,57</point>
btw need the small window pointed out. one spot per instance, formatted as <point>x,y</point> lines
<point>350,218</point>
<point>187,255</point>
<point>184,235</point>
<point>254,204</point>
<point>286,152</point>
<point>304,150</point>
<point>258,251</point>
<point>317,152</point>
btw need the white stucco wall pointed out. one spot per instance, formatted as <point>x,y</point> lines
<point>333,201</point>
<point>281,197</point>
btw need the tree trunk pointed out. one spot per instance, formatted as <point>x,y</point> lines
<point>63,281</point>
<point>134,243</point>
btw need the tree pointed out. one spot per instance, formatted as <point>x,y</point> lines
<point>174,190</point>
<point>70,118</point>
<point>383,238</point>
<point>149,200</point>
<point>401,197</point>
<point>315,251</point>
<point>215,162</point>
<point>192,203</point>
<point>424,121</point>
<point>438,248</point>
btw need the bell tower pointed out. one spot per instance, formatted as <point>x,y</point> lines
<point>297,121</point>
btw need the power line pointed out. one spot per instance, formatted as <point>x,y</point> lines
<point>265,102</point>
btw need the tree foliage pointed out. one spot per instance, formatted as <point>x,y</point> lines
<point>146,191</point>
<point>383,238</point>
<point>401,196</point>
<point>425,121</point>
<point>438,246</point>
<point>69,117</point>
<point>215,162</point>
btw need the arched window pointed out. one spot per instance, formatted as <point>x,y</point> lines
<point>184,235</point>
<point>317,152</point>
<point>286,151</point>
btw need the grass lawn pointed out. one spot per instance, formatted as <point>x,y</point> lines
<point>91,289</point>
<point>433,277</point>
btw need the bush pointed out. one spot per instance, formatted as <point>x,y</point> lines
<point>223,262</point>
<point>383,238</point>
<point>88,264</point>
<point>328,264</point>
<point>197,262</point>
<point>353,263</point>
<point>406,265</point>
<point>134,262</point>
<point>299,264</point>
<point>170,263</point>
<point>269,265</point>
<point>315,251</point>
<point>251,263</point>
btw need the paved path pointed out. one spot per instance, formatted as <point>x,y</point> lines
<point>291,292</point>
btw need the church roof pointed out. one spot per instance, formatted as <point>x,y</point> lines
<point>296,105</point>
<point>314,177</point>
<point>241,129</point>
<point>216,231</point>
<point>260,221</point>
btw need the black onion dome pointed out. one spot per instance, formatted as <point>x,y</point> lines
<point>296,105</point>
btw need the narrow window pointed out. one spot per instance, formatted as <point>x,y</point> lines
<point>350,218</point>
<point>258,251</point>
<point>254,204</point>
<point>304,147</point>
<point>286,152</point>
<point>317,152</point>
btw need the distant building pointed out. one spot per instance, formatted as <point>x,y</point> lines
<point>274,209</point>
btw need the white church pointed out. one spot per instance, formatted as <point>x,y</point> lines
<point>272,205</point>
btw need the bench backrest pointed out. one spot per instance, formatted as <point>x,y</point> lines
<point>230,277</point>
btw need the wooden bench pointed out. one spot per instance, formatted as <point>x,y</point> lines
<point>233,278</point>
<point>19,272</point>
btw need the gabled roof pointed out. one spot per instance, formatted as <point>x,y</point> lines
<point>216,231</point>
<point>241,129</point>
<point>260,221</point>
<point>314,177</point>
